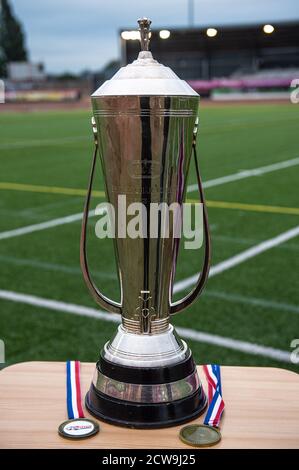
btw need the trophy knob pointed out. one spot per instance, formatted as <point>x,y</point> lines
<point>144,28</point>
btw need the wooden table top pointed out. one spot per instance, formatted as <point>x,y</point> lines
<point>262,410</point>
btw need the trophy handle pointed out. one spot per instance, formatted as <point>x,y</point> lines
<point>203,276</point>
<point>101,299</point>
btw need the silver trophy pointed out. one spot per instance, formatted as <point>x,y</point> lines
<point>145,125</point>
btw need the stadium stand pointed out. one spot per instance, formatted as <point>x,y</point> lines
<point>243,58</point>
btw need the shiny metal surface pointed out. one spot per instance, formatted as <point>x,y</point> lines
<point>145,145</point>
<point>144,28</point>
<point>138,393</point>
<point>154,350</point>
<point>145,77</point>
<point>145,124</point>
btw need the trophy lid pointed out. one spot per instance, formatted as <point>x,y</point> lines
<point>145,76</point>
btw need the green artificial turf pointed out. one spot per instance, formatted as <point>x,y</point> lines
<point>243,303</point>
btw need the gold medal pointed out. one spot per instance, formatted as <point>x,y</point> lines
<point>200,435</point>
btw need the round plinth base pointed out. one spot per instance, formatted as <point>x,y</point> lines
<point>140,397</point>
<point>144,415</point>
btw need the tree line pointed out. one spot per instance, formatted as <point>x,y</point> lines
<point>12,38</point>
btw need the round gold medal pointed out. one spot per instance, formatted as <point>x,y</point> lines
<point>200,435</point>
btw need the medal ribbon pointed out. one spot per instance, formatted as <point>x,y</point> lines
<point>216,403</point>
<point>73,390</point>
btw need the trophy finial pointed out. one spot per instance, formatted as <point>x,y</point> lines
<point>144,28</point>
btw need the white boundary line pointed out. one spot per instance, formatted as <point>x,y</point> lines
<point>255,301</point>
<point>240,258</point>
<point>245,174</point>
<point>47,266</point>
<point>215,182</point>
<point>227,296</point>
<point>230,343</point>
<point>43,225</point>
<point>41,142</point>
<point>243,346</point>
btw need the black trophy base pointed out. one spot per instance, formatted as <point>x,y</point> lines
<point>145,415</point>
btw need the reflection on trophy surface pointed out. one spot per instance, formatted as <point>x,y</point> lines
<point>145,125</point>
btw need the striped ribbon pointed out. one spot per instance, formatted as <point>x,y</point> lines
<point>216,403</point>
<point>73,390</point>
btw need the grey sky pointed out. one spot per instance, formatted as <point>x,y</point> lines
<point>78,34</point>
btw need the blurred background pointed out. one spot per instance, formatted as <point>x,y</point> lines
<point>243,59</point>
<point>62,50</point>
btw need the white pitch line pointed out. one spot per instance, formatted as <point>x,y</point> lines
<point>255,301</point>
<point>237,345</point>
<point>240,258</point>
<point>42,142</point>
<point>229,297</point>
<point>246,347</point>
<point>43,225</point>
<point>245,174</point>
<point>37,264</point>
<point>250,241</point>
<point>58,306</point>
<point>215,182</point>
<point>230,343</point>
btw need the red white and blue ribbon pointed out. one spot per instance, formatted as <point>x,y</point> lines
<point>216,403</point>
<point>73,390</point>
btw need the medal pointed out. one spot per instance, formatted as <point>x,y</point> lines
<point>77,426</point>
<point>207,434</point>
<point>200,435</point>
